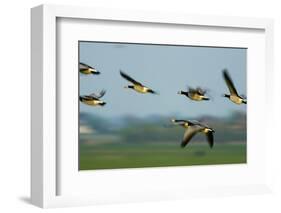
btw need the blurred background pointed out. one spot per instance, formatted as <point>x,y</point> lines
<point>134,130</point>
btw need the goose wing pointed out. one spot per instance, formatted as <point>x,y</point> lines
<point>189,133</point>
<point>128,78</point>
<point>87,97</point>
<point>229,83</point>
<point>191,89</point>
<point>196,91</point>
<point>210,138</point>
<point>84,66</point>
<point>98,96</point>
<point>200,91</point>
<point>243,96</point>
<point>195,122</point>
<point>178,121</point>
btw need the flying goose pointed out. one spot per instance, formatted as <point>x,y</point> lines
<point>93,99</point>
<point>86,69</point>
<point>192,128</point>
<point>137,86</point>
<point>234,96</point>
<point>197,94</point>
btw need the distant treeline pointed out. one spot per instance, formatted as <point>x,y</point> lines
<point>132,129</point>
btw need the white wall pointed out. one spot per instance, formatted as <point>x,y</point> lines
<point>14,113</point>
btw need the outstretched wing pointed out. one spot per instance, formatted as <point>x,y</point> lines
<point>189,133</point>
<point>195,122</point>
<point>83,66</point>
<point>243,96</point>
<point>181,122</point>
<point>87,98</point>
<point>191,89</point>
<point>178,121</point>
<point>102,93</point>
<point>229,83</point>
<point>210,138</point>
<point>98,96</point>
<point>128,78</point>
<point>200,91</point>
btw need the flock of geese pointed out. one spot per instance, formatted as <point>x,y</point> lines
<point>192,127</point>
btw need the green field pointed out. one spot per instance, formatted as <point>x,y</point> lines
<point>124,155</point>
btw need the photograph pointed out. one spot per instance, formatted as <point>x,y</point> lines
<point>160,105</point>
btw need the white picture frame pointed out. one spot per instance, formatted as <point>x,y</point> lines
<point>46,168</point>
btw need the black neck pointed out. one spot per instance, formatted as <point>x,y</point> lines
<point>183,93</point>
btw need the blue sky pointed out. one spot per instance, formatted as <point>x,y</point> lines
<point>166,69</point>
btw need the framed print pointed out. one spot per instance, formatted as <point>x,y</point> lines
<point>143,135</point>
<point>135,104</point>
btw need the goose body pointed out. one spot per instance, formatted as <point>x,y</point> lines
<point>233,96</point>
<point>86,69</point>
<point>236,99</point>
<point>137,86</point>
<point>141,89</point>
<point>93,99</point>
<point>197,94</point>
